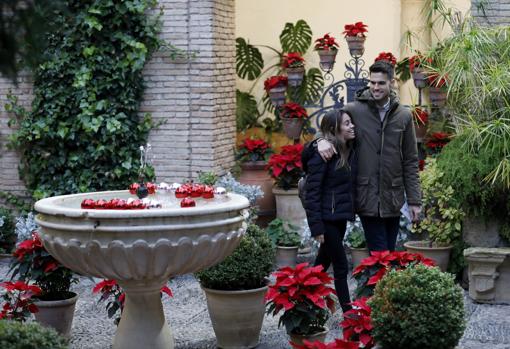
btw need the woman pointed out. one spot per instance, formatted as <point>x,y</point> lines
<point>330,197</point>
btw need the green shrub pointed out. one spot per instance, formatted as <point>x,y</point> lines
<point>283,233</point>
<point>7,234</point>
<point>246,268</point>
<point>417,308</point>
<point>16,335</point>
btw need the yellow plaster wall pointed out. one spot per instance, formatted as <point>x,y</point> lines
<point>261,21</point>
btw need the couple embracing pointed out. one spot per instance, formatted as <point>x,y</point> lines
<point>365,162</point>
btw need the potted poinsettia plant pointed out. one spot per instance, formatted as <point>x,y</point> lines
<point>357,324</point>
<point>421,118</point>
<point>55,302</point>
<point>293,117</point>
<point>294,65</point>
<point>355,37</point>
<point>437,89</point>
<point>305,298</point>
<point>387,57</point>
<point>18,300</point>
<point>327,48</point>
<point>276,86</point>
<point>417,69</point>
<point>436,141</point>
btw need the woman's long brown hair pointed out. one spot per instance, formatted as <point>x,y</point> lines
<point>330,128</point>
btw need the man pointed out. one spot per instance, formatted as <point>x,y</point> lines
<point>387,159</point>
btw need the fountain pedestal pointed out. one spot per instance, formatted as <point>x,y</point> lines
<point>141,250</point>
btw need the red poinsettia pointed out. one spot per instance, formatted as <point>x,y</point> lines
<point>436,80</point>
<point>373,268</point>
<point>293,60</point>
<point>388,57</point>
<point>19,303</point>
<point>357,324</point>
<point>327,42</point>
<point>356,29</point>
<point>110,289</point>
<point>275,81</point>
<point>437,141</point>
<point>417,61</point>
<point>420,116</point>
<point>293,110</point>
<point>254,150</point>
<point>421,164</point>
<point>336,344</point>
<point>286,167</point>
<point>303,295</point>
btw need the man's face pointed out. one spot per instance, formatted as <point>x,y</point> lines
<point>380,86</point>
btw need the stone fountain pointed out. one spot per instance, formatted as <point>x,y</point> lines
<point>141,249</point>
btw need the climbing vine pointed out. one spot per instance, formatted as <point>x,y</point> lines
<point>83,130</point>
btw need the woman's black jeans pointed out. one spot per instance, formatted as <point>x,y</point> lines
<point>332,251</point>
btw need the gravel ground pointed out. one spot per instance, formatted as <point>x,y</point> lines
<point>488,326</point>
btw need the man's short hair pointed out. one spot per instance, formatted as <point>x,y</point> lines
<point>382,67</point>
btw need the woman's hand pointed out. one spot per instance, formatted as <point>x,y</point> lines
<point>319,238</point>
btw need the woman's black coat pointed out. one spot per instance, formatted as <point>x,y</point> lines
<point>329,191</point>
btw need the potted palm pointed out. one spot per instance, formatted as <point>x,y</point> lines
<point>286,168</point>
<point>55,302</point>
<point>355,37</point>
<point>235,290</point>
<point>356,242</point>
<point>442,218</point>
<point>293,117</point>
<point>276,86</point>
<point>327,48</point>
<point>294,65</point>
<point>305,298</point>
<point>286,239</point>
<point>437,90</point>
<point>253,155</point>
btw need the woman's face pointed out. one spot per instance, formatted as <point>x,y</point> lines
<point>346,129</point>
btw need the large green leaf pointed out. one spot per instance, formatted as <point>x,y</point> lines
<point>249,62</point>
<point>247,113</point>
<point>311,88</point>
<point>296,38</point>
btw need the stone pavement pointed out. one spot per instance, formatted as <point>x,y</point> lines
<point>488,326</point>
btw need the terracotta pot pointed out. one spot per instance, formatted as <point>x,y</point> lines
<point>295,75</point>
<point>277,95</point>
<point>286,256</point>
<point>327,59</point>
<point>437,96</point>
<point>420,130</point>
<point>289,207</point>
<point>419,78</point>
<point>357,255</point>
<point>292,127</point>
<point>236,316</point>
<point>356,45</point>
<point>299,338</point>
<point>255,173</point>
<point>57,314</point>
<point>440,254</point>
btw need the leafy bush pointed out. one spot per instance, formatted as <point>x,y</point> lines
<point>7,235</point>
<point>84,130</point>
<point>283,233</point>
<point>15,335</point>
<point>355,236</point>
<point>417,308</point>
<point>246,268</point>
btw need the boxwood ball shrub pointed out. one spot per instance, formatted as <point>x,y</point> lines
<point>17,335</point>
<point>417,308</point>
<point>246,268</point>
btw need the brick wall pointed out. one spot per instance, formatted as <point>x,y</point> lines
<point>497,12</point>
<point>193,99</point>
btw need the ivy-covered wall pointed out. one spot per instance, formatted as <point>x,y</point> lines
<point>194,99</point>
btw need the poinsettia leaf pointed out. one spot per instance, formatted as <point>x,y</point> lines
<point>249,61</point>
<point>296,38</point>
<point>247,113</point>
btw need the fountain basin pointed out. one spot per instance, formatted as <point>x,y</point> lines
<point>141,249</point>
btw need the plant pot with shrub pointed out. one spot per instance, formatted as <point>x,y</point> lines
<point>286,239</point>
<point>55,302</point>
<point>355,241</point>
<point>14,334</point>
<point>235,290</point>
<point>405,310</point>
<point>305,298</point>
<point>442,218</point>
